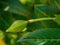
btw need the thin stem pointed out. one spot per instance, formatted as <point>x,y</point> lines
<point>40,19</point>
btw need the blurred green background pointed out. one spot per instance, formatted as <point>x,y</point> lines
<point>12,10</point>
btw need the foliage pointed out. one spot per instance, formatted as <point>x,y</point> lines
<point>30,22</point>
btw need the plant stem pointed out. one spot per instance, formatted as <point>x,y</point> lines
<point>40,19</point>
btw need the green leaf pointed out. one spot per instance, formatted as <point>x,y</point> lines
<point>25,1</point>
<point>42,37</point>
<point>15,10</point>
<point>55,4</point>
<point>58,19</point>
<point>17,26</point>
<point>49,33</point>
<point>42,41</point>
<point>43,1</point>
<point>40,1</point>
<point>43,11</point>
<point>1,35</point>
<point>14,6</point>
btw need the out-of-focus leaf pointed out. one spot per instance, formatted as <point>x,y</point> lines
<point>26,1</point>
<point>5,20</point>
<point>43,1</point>
<point>17,17</point>
<point>1,35</point>
<point>42,11</point>
<point>50,33</point>
<point>17,26</point>
<point>55,4</point>
<point>58,19</point>
<point>23,1</point>
<point>42,41</point>
<point>15,10</point>
<point>18,8</point>
<point>40,1</point>
<point>40,37</point>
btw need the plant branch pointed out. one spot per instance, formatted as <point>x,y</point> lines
<point>40,19</point>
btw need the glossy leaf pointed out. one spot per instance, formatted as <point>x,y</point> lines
<point>42,37</point>
<point>50,33</point>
